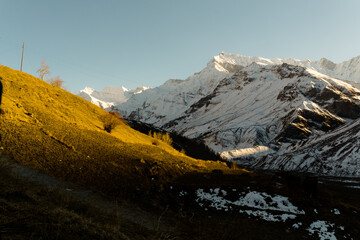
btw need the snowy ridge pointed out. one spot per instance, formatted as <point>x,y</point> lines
<point>109,96</point>
<point>335,153</point>
<point>347,70</point>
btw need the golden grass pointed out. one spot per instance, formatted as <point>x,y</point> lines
<point>165,137</point>
<point>48,128</point>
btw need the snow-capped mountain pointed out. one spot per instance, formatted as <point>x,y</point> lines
<point>109,96</point>
<point>347,70</point>
<point>261,105</point>
<point>251,107</point>
<point>170,100</point>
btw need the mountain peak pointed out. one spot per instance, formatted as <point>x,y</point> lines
<point>88,90</point>
<point>109,96</point>
<point>327,63</point>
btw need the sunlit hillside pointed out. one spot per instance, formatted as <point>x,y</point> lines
<point>48,128</point>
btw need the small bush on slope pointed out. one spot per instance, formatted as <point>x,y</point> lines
<point>110,120</point>
<point>194,148</point>
<point>165,137</point>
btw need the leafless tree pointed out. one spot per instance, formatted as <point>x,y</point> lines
<point>43,71</point>
<point>56,82</point>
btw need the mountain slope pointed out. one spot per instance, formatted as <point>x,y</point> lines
<point>47,128</point>
<point>335,153</point>
<point>261,105</point>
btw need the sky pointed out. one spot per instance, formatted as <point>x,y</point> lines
<point>146,42</point>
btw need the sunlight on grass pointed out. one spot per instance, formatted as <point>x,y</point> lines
<point>47,128</point>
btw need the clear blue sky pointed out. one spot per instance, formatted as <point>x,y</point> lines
<point>143,43</point>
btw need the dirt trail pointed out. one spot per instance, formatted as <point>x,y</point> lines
<point>93,199</point>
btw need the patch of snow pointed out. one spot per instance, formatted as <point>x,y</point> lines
<point>269,216</point>
<point>256,200</point>
<point>297,225</point>
<point>217,202</point>
<point>336,211</point>
<point>265,201</point>
<point>254,151</point>
<point>322,228</point>
<point>182,193</point>
<point>349,181</point>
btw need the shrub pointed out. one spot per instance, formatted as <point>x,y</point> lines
<point>155,142</point>
<point>110,120</point>
<point>195,148</point>
<point>164,137</point>
<point>56,82</point>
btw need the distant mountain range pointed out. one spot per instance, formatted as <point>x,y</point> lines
<point>109,96</point>
<point>258,111</point>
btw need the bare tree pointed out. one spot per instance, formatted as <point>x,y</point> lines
<point>43,71</point>
<point>56,82</point>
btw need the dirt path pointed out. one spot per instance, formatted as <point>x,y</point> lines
<point>93,199</point>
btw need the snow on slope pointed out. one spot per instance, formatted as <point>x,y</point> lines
<point>347,70</point>
<point>335,153</point>
<point>168,101</point>
<point>261,105</point>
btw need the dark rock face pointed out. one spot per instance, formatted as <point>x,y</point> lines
<point>289,71</point>
<point>288,93</point>
<point>345,108</point>
<point>205,101</point>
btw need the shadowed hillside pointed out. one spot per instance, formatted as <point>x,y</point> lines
<point>47,128</point>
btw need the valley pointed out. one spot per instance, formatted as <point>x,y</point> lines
<point>262,151</point>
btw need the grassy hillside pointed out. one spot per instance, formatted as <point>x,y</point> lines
<point>47,128</point>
